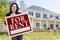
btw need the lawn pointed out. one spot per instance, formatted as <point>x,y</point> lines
<point>35,36</point>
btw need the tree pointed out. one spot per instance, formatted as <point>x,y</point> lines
<point>4,8</point>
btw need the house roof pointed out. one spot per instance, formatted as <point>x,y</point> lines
<point>36,7</point>
<point>33,7</point>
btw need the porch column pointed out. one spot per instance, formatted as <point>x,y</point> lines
<point>54,25</point>
<point>40,24</point>
<point>32,23</point>
<point>47,23</point>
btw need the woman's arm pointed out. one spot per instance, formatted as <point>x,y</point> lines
<point>6,16</point>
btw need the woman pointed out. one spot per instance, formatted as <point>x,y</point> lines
<point>14,11</point>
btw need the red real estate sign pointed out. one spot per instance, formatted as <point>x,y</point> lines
<point>18,24</point>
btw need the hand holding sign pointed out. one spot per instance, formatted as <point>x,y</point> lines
<point>18,25</point>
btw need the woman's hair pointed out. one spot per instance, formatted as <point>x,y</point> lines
<point>11,7</point>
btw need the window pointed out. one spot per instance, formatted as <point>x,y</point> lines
<point>57,17</point>
<point>37,15</point>
<point>45,26</point>
<point>57,25</point>
<point>51,26</point>
<point>51,16</point>
<point>31,13</point>
<point>44,15</point>
<point>38,25</point>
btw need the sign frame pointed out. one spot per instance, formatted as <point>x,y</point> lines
<point>21,33</point>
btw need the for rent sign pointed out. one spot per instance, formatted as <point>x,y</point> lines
<point>18,24</point>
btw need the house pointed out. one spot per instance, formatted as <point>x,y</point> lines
<point>42,18</point>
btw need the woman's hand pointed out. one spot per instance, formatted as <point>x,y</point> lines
<point>13,14</point>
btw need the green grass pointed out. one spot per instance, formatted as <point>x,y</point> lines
<point>35,36</point>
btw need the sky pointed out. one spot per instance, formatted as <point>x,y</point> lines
<point>53,5</point>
